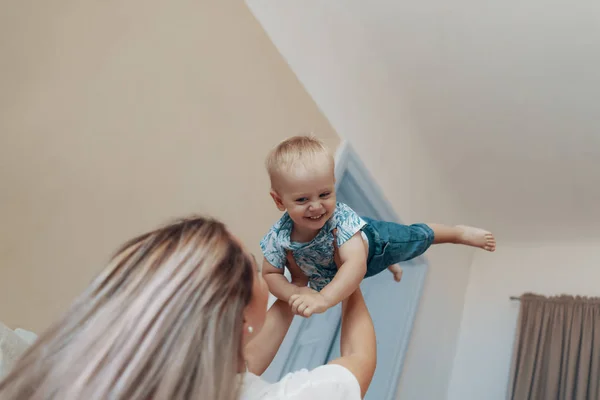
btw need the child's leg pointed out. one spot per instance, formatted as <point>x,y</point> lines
<point>391,243</point>
<point>394,243</point>
<point>396,269</point>
<point>461,234</point>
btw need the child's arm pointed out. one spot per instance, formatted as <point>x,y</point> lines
<point>351,271</point>
<point>352,266</point>
<point>278,284</point>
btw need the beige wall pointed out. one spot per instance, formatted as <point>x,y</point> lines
<point>116,116</point>
<point>482,364</point>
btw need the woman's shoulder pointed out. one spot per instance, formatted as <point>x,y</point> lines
<point>328,381</point>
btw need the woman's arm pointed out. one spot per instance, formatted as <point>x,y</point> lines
<point>261,350</point>
<point>263,347</point>
<point>358,346</point>
<point>358,357</point>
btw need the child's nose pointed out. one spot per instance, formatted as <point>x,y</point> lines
<point>315,205</point>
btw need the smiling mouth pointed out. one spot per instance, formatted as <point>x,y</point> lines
<point>318,217</point>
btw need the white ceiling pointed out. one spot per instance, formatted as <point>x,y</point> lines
<point>502,96</point>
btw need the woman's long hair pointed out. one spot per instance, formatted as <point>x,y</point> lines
<point>163,321</point>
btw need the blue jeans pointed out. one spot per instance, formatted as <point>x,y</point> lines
<point>391,243</point>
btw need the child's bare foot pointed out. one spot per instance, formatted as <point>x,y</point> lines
<point>477,238</point>
<point>397,271</point>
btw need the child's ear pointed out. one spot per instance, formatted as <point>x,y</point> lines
<point>277,200</point>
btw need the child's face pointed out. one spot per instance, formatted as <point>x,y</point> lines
<point>308,195</point>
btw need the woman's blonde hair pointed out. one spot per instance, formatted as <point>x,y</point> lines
<point>163,321</point>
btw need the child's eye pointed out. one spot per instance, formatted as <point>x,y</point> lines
<point>325,195</point>
<point>301,200</point>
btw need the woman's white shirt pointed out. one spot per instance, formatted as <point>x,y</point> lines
<point>331,382</point>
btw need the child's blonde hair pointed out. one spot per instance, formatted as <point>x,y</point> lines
<point>296,151</point>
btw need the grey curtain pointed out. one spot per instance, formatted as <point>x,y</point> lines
<point>557,349</point>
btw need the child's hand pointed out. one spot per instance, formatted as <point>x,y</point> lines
<point>308,302</point>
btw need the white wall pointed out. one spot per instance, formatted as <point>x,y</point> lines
<point>484,351</point>
<point>329,59</point>
<point>412,141</point>
<point>430,355</point>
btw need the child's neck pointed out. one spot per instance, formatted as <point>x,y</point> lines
<point>301,235</point>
